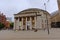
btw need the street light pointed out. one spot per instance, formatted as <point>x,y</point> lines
<point>46,18</point>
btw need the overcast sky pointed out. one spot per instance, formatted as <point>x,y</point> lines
<point>10,7</point>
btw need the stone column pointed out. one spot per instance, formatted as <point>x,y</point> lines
<point>35,22</point>
<point>17,24</point>
<point>22,23</point>
<point>30,23</point>
<point>26,23</point>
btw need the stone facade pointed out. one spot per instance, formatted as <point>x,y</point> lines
<point>55,17</point>
<point>32,19</point>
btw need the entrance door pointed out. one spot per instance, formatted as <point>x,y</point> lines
<point>28,25</point>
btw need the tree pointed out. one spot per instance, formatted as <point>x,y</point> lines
<point>2,26</point>
<point>11,25</point>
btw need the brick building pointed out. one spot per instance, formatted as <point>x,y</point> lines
<point>58,4</point>
<point>55,19</point>
<point>4,21</point>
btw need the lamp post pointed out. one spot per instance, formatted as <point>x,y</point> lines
<point>46,19</point>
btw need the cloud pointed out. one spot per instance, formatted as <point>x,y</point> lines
<point>10,7</point>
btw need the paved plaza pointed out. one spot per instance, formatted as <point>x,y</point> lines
<point>30,35</point>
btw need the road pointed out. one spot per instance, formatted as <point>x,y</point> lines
<point>30,35</point>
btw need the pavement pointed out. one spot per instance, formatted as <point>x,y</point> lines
<point>30,35</point>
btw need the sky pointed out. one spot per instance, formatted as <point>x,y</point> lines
<point>11,7</point>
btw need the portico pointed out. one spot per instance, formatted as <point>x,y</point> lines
<point>26,23</point>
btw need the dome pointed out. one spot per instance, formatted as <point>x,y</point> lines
<point>32,10</point>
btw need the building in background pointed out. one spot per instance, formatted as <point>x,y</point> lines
<point>58,4</point>
<point>55,18</point>
<point>31,18</point>
<point>9,19</point>
<point>4,21</point>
